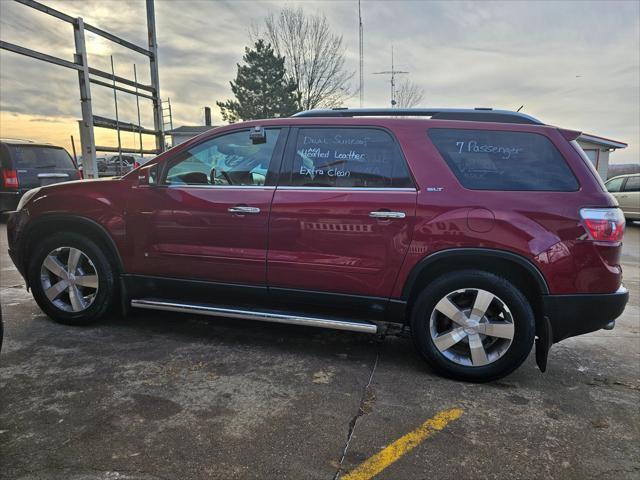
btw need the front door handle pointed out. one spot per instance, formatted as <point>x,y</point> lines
<point>385,214</point>
<point>243,209</point>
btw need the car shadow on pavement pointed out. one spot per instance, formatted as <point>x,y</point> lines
<point>290,339</point>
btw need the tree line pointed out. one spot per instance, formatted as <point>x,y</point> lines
<point>295,63</point>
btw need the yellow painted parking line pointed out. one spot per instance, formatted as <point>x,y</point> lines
<point>392,452</point>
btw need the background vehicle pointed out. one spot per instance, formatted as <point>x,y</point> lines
<point>445,225</point>
<point>626,190</point>
<point>116,166</point>
<point>25,165</point>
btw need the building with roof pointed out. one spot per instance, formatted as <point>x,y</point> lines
<point>598,150</point>
<point>182,134</point>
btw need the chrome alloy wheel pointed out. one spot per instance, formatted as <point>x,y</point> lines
<point>69,279</point>
<point>471,327</point>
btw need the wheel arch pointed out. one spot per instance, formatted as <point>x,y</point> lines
<point>47,224</point>
<point>517,269</point>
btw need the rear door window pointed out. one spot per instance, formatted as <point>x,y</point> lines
<point>633,184</point>
<point>347,158</point>
<point>500,160</point>
<point>27,157</point>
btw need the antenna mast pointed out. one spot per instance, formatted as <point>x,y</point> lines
<point>393,72</point>
<point>361,55</point>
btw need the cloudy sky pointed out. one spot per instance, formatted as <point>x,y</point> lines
<point>574,64</point>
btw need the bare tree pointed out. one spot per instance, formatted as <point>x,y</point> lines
<point>314,56</point>
<point>409,94</point>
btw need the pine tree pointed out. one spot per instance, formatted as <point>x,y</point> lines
<point>260,87</point>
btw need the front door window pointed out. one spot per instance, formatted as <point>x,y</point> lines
<point>228,160</point>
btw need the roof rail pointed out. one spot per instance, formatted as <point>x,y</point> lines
<point>475,114</point>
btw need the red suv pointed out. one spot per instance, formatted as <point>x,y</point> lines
<point>479,229</point>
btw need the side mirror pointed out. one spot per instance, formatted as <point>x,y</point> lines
<point>148,175</point>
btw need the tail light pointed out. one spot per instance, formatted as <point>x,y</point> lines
<point>603,224</point>
<point>80,177</point>
<point>135,165</point>
<point>10,178</point>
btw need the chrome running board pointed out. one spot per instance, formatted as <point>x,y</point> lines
<point>264,316</point>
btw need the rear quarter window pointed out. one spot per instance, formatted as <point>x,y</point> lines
<point>496,160</point>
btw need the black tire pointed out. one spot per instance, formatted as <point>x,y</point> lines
<point>509,295</point>
<point>106,290</point>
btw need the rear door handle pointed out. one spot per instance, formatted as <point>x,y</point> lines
<point>385,214</point>
<point>243,210</point>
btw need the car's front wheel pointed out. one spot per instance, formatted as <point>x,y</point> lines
<point>473,325</point>
<point>71,278</point>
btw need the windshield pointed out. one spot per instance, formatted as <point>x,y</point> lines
<point>27,156</point>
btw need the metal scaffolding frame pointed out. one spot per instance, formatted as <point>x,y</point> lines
<point>86,76</point>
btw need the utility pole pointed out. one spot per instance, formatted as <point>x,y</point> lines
<point>361,56</point>
<point>393,72</point>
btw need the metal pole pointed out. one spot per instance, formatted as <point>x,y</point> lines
<point>89,121</point>
<point>135,76</point>
<point>155,77</point>
<point>73,147</point>
<point>98,31</point>
<point>87,139</point>
<point>115,101</point>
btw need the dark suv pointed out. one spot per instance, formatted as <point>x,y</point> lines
<point>25,165</point>
<point>479,230</point>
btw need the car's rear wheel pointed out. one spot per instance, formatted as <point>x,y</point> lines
<point>473,325</point>
<point>71,278</point>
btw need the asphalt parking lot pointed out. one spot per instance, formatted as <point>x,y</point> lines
<point>159,396</point>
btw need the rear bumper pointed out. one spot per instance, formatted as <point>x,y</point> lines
<point>571,315</point>
<point>9,199</point>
